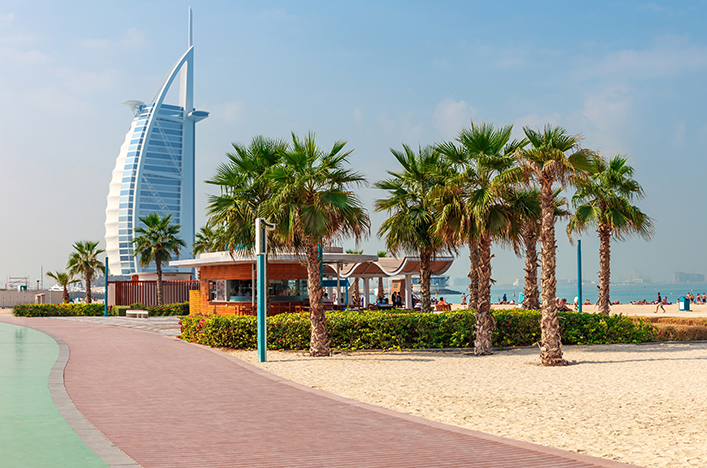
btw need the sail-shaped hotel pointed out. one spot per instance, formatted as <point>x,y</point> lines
<point>154,171</point>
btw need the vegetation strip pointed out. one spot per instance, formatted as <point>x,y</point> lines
<point>411,330</point>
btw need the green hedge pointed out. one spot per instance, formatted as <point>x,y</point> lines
<point>179,308</point>
<point>57,310</point>
<point>391,330</point>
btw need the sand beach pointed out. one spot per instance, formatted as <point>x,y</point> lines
<point>641,404</point>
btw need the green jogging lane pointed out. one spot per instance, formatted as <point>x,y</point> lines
<point>32,431</point>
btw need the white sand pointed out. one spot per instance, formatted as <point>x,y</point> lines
<point>640,404</point>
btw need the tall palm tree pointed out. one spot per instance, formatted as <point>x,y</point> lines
<point>63,279</point>
<point>314,203</point>
<point>84,261</point>
<point>551,158</point>
<point>604,201</point>
<point>486,158</point>
<point>410,226</point>
<point>245,189</point>
<point>156,242</point>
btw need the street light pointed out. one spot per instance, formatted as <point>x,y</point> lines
<point>261,249</point>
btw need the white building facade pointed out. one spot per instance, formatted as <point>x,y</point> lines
<point>154,171</point>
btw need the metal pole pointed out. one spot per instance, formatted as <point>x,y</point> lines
<point>105,293</point>
<point>262,325</point>
<point>579,275</point>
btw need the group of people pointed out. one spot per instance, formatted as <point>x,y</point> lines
<point>697,299</point>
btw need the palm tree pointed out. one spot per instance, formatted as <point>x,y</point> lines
<point>547,162</point>
<point>313,203</point>
<point>411,203</point>
<point>604,200</point>
<point>210,239</point>
<point>525,204</point>
<point>381,294</point>
<point>156,242</point>
<point>355,292</point>
<point>63,279</point>
<point>245,188</point>
<point>84,261</point>
<point>485,156</point>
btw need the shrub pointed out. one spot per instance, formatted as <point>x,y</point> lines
<point>179,308</point>
<point>119,310</point>
<point>391,330</point>
<point>137,306</point>
<point>57,310</point>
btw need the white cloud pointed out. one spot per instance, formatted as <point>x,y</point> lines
<point>679,134</point>
<point>7,18</point>
<point>450,117</point>
<point>404,129</point>
<point>232,112</point>
<point>24,57</point>
<point>357,115</point>
<point>82,82</point>
<point>669,56</point>
<point>133,38</point>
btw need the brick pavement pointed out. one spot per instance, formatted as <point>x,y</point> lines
<point>167,403</point>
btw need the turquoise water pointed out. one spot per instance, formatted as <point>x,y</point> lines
<point>624,293</point>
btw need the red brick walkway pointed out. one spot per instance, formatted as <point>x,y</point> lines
<point>167,403</point>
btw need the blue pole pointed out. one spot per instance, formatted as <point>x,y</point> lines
<point>321,263</point>
<point>105,293</point>
<point>579,274</point>
<point>262,324</point>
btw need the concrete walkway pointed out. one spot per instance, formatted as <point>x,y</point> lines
<point>167,403</point>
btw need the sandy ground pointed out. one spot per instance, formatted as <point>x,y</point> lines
<point>672,310</point>
<point>639,404</point>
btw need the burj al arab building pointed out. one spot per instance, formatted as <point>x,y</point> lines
<point>154,171</point>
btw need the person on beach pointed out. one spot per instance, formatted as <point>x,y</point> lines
<point>463,299</point>
<point>660,305</point>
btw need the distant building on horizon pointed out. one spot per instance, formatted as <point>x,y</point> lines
<point>682,277</point>
<point>154,171</point>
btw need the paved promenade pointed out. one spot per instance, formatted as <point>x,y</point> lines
<point>167,403</point>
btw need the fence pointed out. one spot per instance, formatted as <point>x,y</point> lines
<point>145,292</point>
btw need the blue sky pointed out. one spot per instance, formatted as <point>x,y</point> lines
<point>628,76</point>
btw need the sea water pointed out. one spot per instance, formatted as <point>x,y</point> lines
<point>624,293</point>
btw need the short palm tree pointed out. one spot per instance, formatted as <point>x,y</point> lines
<point>604,201</point>
<point>525,204</point>
<point>84,261</point>
<point>551,158</point>
<point>210,239</point>
<point>381,294</point>
<point>355,292</point>
<point>313,203</point>
<point>156,242</point>
<point>410,202</point>
<point>63,279</point>
<point>245,188</point>
<point>486,158</point>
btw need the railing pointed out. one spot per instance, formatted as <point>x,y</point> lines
<point>145,292</point>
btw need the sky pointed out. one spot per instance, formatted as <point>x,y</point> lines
<point>628,76</point>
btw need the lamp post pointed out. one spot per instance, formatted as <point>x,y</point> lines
<point>579,275</point>
<point>261,249</point>
<point>105,291</point>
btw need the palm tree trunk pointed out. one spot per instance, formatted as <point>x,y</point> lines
<point>355,296</point>
<point>425,274</point>
<point>158,270</point>
<point>531,300</point>
<point>550,342</point>
<point>65,296</point>
<point>318,343</point>
<point>484,320</point>
<point>473,275</point>
<point>381,294</point>
<point>88,289</point>
<point>604,268</point>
